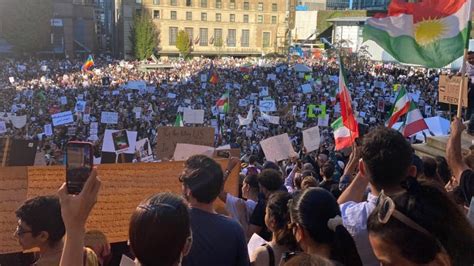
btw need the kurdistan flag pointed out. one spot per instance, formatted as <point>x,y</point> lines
<point>401,107</point>
<point>431,33</point>
<point>342,135</point>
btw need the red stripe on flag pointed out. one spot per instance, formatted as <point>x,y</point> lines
<point>426,9</point>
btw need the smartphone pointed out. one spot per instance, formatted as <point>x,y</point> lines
<point>79,163</point>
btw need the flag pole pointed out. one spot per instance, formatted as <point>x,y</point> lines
<point>461,89</point>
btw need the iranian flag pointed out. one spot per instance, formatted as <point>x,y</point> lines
<point>342,135</point>
<point>401,107</point>
<point>431,33</point>
<point>223,103</point>
<point>345,100</point>
<point>414,122</point>
<point>179,121</point>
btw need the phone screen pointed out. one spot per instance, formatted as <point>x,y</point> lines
<point>79,166</point>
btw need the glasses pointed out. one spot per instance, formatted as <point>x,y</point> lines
<point>19,231</point>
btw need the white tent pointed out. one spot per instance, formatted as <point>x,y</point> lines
<point>302,68</point>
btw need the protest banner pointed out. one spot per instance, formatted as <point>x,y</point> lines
<point>277,148</point>
<point>271,119</point>
<point>191,116</point>
<point>323,121</point>
<point>203,77</point>
<point>168,137</point>
<point>243,103</point>
<point>138,85</point>
<point>171,95</point>
<point>109,118</point>
<point>263,92</point>
<point>267,106</point>
<point>449,90</point>
<point>18,121</point>
<point>311,139</point>
<point>3,127</point>
<point>63,100</point>
<point>62,118</point>
<point>80,106</point>
<point>120,139</point>
<point>48,130</point>
<point>271,76</point>
<point>183,151</point>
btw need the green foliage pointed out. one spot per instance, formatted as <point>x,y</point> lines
<point>144,37</point>
<point>27,25</point>
<point>183,43</point>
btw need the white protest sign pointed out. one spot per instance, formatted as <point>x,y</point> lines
<point>108,145</point>
<point>18,121</point>
<point>138,85</point>
<point>171,95</point>
<point>109,118</point>
<point>80,106</point>
<point>184,151</point>
<point>271,119</point>
<point>62,118</point>
<point>116,92</point>
<point>263,92</point>
<point>323,121</point>
<point>311,139</point>
<point>203,77</point>
<point>243,102</point>
<point>271,76</point>
<point>11,79</point>
<point>299,124</point>
<point>138,115</point>
<point>277,148</point>
<point>63,100</point>
<point>48,130</point>
<point>3,127</point>
<point>191,116</point>
<point>143,150</point>
<point>267,106</point>
<point>94,129</point>
<point>306,88</point>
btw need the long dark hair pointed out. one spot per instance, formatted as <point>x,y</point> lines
<point>432,209</point>
<point>277,208</point>
<point>312,209</point>
<point>159,229</point>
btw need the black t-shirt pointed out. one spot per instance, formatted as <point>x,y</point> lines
<point>331,186</point>
<point>217,240</point>
<point>466,187</point>
<point>258,218</point>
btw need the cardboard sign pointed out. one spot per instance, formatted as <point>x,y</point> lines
<point>109,145</point>
<point>277,148</point>
<point>184,151</point>
<point>267,106</point>
<point>168,137</point>
<point>48,130</point>
<point>191,116</point>
<point>109,118</point>
<point>62,118</point>
<point>311,139</point>
<point>449,90</point>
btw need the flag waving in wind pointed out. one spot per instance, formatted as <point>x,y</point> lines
<point>401,107</point>
<point>223,103</point>
<point>431,33</point>
<point>347,113</point>
<point>414,122</point>
<point>213,77</point>
<point>88,64</point>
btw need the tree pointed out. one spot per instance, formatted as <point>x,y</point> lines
<point>183,43</point>
<point>144,37</point>
<point>27,25</point>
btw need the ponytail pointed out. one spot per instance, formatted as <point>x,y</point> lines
<point>343,248</point>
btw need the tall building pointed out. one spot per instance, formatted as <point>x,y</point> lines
<point>221,27</point>
<point>370,4</point>
<point>338,4</point>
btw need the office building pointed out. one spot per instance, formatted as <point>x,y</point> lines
<point>311,5</point>
<point>370,4</point>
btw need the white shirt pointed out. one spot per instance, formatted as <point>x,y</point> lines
<point>240,210</point>
<point>354,216</point>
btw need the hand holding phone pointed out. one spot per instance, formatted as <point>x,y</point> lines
<point>79,164</point>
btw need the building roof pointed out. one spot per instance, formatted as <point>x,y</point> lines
<point>348,19</point>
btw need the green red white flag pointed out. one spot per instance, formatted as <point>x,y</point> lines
<point>401,107</point>
<point>342,135</point>
<point>414,122</point>
<point>431,33</point>
<point>345,100</point>
<point>223,103</point>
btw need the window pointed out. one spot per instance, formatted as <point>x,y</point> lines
<point>203,36</point>
<point>218,17</point>
<point>156,14</point>
<point>246,6</point>
<point>274,20</point>
<point>266,39</point>
<point>218,3</point>
<point>204,16</point>
<point>260,6</point>
<point>246,18</point>
<point>173,15</point>
<point>189,2</point>
<point>274,7</point>
<point>173,35</point>
<point>232,4</point>
<point>189,15</point>
<point>203,3</point>
<point>231,40</point>
<point>245,38</point>
<point>259,19</point>
<point>218,37</point>
<point>232,18</point>
<point>138,12</point>
<point>173,2</point>
<point>156,2</point>
<point>190,32</point>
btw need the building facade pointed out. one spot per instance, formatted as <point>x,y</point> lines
<point>221,27</point>
<point>311,5</point>
<point>370,4</point>
<point>338,4</point>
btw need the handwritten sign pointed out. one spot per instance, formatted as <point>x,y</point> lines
<point>109,118</point>
<point>277,148</point>
<point>62,118</point>
<point>449,90</point>
<point>168,137</point>
<point>311,139</point>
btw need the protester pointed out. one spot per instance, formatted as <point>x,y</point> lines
<point>420,226</point>
<point>327,172</point>
<point>283,241</point>
<point>318,229</point>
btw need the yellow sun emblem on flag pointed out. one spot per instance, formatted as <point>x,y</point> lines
<point>429,30</point>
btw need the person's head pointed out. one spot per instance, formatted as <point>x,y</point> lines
<point>304,259</point>
<point>252,159</point>
<point>308,166</point>
<point>277,218</point>
<point>269,181</point>
<point>159,230</point>
<point>470,57</point>
<point>327,170</point>
<point>309,181</point>
<point>442,168</point>
<point>469,160</point>
<point>250,186</point>
<point>271,165</point>
<point>421,225</point>
<point>315,219</point>
<point>430,171</point>
<point>202,179</point>
<point>40,223</point>
<point>386,158</point>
